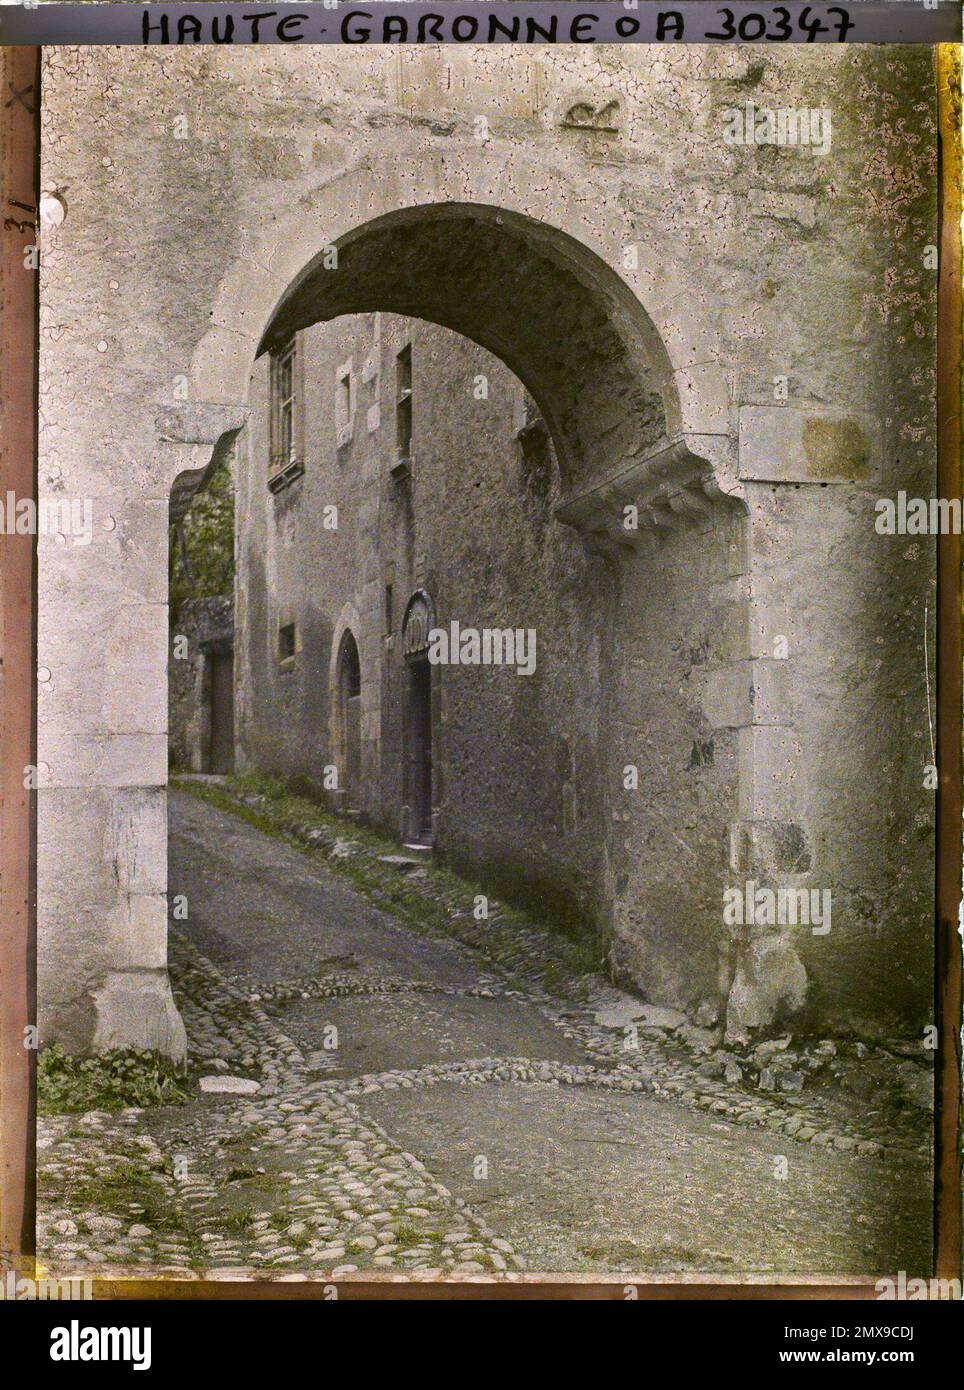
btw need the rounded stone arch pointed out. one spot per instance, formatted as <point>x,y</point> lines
<point>344,644</point>
<point>348,621</point>
<point>348,667</point>
<point>418,621</point>
<point>540,269</point>
<point>549,276</point>
<point>557,316</point>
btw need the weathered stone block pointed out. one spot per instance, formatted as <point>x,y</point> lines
<point>770,978</point>
<point>747,692</point>
<point>786,444</point>
<point>766,849</point>
<point>135,701</point>
<point>137,932</point>
<point>135,1009</point>
<point>770,758</point>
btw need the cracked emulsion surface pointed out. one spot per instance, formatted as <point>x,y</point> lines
<point>471,1118</point>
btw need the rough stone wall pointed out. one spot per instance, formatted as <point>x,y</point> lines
<point>518,790</point>
<point>669,847</point>
<point>522,787</point>
<point>852,705</point>
<point>201,625</point>
<point>747,266</point>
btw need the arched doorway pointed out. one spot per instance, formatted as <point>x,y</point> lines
<point>419,731</point>
<point>418,622</point>
<point>348,749</point>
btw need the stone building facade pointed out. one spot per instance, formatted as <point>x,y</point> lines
<point>730,344</point>
<point>418,488</point>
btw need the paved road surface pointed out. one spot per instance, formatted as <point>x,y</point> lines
<point>571,1177</point>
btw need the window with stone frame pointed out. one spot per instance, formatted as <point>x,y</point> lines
<point>403,403</point>
<point>344,404</point>
<point>285,441</point>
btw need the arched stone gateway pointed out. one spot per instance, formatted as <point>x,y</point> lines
<point>582,343</point>
<point>557,315</point>
<point>630,385</point>
<point>502,203</point>
<point>640,306</point>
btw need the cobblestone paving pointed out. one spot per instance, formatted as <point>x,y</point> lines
<point>297,1176</point>
<point>839,1102</point>
<point>290,1177</point>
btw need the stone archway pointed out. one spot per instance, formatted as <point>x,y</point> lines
<point>589,247</point>
<point>636,405</point>
<point>287,158</point>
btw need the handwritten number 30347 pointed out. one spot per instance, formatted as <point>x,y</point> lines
<point>754,26</point>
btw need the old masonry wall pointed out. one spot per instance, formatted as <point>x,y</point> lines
<point>779,301</point>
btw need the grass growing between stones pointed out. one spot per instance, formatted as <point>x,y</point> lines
<point>436,901</point>
<point>125,1191</point>
<point>117,1208</point>
<point>113,1081</point>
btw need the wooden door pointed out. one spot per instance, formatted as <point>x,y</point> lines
<point>221,712</point>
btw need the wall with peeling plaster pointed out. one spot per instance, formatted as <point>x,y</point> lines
<point>735,266</point>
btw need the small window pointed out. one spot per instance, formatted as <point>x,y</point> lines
<point>373,410</point>
<point>389,611</point>
<point>403,402</point>
<point>283,431</point>
<point>286,641</point>
<point>344,404</point>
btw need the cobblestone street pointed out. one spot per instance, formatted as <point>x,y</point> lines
<point>479,1113</point>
